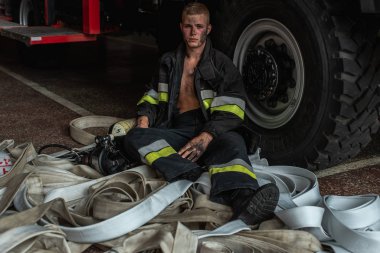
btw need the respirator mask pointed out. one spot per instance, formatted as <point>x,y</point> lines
<point>106,156</point>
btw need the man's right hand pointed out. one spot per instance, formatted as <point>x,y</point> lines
<point>142,122</point>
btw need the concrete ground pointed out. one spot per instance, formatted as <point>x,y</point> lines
<point>107,79</point>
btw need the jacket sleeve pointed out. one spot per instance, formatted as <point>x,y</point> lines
<point>148,104</point>
<point>227,109</point>
<point>157,92</point>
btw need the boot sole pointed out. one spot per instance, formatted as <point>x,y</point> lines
<point>261,206</point>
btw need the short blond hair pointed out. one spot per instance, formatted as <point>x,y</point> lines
<point>195,8</point>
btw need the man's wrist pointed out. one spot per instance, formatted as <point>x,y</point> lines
<point>210,128</point>
<point>143,121</point>
<point>209,137</point>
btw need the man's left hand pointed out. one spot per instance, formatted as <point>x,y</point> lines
<point>196,147</point>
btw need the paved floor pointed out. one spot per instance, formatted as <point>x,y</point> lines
<point>102,90</point>
<point>111,88</point>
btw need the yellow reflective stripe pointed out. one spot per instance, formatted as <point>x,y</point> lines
<point>233,168</point>
<point>207,102</point>
<point>148,99</point>
<point>163,97</point>
<point>230,108</point>
<point>153,156</point>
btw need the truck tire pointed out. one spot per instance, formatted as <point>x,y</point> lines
<point>311,73</point>
<point>28,12</point>
<point>31,13</point>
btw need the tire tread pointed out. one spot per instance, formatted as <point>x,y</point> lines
<point>351,114</point>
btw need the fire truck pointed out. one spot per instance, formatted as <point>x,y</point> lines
<point>310,67</point>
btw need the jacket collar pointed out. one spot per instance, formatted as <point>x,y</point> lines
<point>205,65</point>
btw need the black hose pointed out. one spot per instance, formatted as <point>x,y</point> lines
<point>54,145</point>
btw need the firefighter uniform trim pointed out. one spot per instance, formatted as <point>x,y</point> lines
<point>207,98</point>
<point>236,165</point>
<point>150,97</point>
<point>229,104</point>
<point>156,150</point>
<point>207,103</point>
<point>163,89</point>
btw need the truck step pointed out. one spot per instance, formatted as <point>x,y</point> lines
<point>37,35</point>
<point>4,23</point>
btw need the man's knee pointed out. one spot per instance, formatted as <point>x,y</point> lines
<point>133,134</point>
<point>231,141</point>
<point>137,137</point>
<point>132,141</point>
<point>224,148</point>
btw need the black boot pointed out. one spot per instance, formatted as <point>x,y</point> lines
<point>254,207</point>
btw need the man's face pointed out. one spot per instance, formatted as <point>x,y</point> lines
<point>195,29</point>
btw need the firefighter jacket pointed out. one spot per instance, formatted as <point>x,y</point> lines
<point>218,84</point>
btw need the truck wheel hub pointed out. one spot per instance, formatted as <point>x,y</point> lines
<point>268,56</point>
<point>260,73</point>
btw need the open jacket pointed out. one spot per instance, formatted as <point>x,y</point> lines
<point>218,84</point>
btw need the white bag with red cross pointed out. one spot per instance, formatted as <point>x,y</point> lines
<point>5,163</point>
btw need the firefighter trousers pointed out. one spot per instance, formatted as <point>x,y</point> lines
<point>225,158</point>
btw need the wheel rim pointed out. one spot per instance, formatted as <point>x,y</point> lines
<point>270,60</point>
<point>26,13</point>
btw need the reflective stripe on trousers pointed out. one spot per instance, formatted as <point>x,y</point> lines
<point>226,155</point>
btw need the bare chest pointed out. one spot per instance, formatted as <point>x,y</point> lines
<point>187,81</point>
<point>187,99</point>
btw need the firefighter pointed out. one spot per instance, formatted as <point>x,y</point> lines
<point>186,122</point>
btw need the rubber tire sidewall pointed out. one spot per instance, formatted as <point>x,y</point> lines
<point>294,142</point>
<point>38,18</point>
